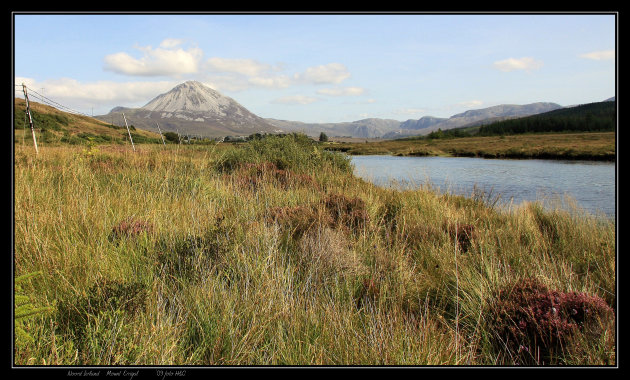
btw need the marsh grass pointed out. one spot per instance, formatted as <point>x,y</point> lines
<point>581,146</point>
<point>168,256</point>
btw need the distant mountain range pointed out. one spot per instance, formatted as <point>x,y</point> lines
<point>195,109</point>
<point>391,129</point>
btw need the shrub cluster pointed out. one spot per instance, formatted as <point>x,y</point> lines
<point>535,323</point>
<point>130,227</point>
<point>463,234</point>
<point>334,210</point>
<point>253,176</point>
<point>297,152</point>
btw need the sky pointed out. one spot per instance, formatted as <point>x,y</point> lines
<point>319,67</point>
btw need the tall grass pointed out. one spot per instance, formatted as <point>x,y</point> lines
<point>273,253</point>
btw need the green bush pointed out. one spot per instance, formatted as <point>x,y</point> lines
<point>139,139</point>
<point>296,151</point>
<point>171,136</point>
<point>40,121</point>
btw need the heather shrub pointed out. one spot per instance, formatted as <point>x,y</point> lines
<point>298,219</point>
<point>106,162</point>
<point>344,211</point>
<point>534,324</point>
<point>253,176</point>
<point>130,227</point>
<point>461,233</point>
<point>334,210</point>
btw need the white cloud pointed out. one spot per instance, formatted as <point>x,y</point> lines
<point>342,91</point>
<point>471,103</point>
<point>511,64</point>
<point>162,61</point>
<point>600,55</point>
<point>295,99</point>
<point>248,72</point>
<point>330,73</point>
<point>280,81</point>
<point>170,43</point>
<point>266,75</point>
<point>228,82</point>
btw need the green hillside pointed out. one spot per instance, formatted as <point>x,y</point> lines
<point>53,126</point>
<point>593,117</point>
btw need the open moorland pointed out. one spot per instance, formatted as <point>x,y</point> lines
<point>272,252</point>
<point>583,146</point>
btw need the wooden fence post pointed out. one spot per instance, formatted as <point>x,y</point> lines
<point>158,125</point>
<point>30,118</point>
<point>128,131</point>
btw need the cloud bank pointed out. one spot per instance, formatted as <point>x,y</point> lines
<point>166,60</point>
<point>599,55</point>
<point>511,64</point>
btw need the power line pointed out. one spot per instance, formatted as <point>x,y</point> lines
<point>52,103</point>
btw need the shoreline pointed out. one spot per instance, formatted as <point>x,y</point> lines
<point>595,146</point>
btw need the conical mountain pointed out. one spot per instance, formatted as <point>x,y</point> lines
<point>195,109</point>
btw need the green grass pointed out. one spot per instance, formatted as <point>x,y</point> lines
<point>582,146</point>
<point>273,253</point>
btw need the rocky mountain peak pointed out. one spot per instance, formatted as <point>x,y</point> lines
<point>192,107</point>
<point>191,96</point>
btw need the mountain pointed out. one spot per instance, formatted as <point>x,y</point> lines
<point>195,109</point>
<point>365,128</point>
<point>392,129</point>
<point>424,122</point>
<point>597,116</point>
<point>478,117</point>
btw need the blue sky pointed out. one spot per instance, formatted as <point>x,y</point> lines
<point>320,68</point>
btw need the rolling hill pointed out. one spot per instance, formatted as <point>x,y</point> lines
<point>53,125</point>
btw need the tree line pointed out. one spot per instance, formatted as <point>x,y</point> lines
<point>593,117</point>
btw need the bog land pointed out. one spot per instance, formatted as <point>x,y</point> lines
<point>272,252</point>
<point>583,145</point>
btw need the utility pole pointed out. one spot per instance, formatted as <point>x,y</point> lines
<point>158,125</point>
<point>128,131</point>
<point>30,118</point>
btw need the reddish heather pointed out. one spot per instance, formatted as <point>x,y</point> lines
<point>535,322</point>
<point>131,227</point>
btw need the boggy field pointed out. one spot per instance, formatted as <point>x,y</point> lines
<point>273,253</point>
<point>564,146</point>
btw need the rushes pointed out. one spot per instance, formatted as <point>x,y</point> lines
<point>169,256</point>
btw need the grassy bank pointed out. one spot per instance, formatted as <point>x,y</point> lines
<point>583,146</point>
<point>273,253</point>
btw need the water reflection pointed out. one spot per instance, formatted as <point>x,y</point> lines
<point>591,184</point>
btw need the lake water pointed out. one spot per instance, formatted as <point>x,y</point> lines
<point>591,184</point>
